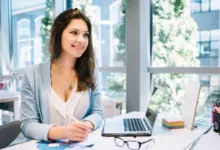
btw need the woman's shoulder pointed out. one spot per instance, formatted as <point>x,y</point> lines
<point>37,68</point>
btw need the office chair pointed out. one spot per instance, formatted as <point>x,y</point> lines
<point>8,132</point>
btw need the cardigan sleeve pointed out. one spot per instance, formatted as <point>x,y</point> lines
<point>96,111</point>
<point>30,120</point>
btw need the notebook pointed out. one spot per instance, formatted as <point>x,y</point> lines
<point>130,126</point>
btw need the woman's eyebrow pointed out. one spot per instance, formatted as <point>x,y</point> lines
<point>79,30</point>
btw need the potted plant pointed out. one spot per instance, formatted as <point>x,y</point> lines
<point>214,99</point>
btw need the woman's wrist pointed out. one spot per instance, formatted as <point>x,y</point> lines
<point>57,133</point>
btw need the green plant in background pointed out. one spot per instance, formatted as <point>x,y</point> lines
<point>119,33</point>
<point>174,45</point>
<point>45,28</point>
<point>117,83</point>
<point>214,97</point>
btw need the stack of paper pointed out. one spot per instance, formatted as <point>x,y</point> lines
<point>172,123</point>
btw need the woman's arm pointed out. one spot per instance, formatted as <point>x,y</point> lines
<point>30,118</point>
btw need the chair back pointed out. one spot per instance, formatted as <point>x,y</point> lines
<point>8,133</point>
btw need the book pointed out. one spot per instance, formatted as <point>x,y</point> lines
<point>173,122</point>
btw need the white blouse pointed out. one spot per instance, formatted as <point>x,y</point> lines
<point>76,105</point>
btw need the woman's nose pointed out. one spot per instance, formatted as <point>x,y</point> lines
<point>80,38</point>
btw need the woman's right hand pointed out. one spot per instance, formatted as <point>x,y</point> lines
<point>217,109</point>
<point>77,131</point>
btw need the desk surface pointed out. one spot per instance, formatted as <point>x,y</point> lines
<point>166,139</point>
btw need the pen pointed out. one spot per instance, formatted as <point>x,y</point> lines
<point>69,115</point>
<point>76,120</point>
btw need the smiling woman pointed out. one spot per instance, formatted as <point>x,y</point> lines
<point>66,87</point>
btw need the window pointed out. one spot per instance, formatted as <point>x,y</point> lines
<point>204,5</point>
<point>108,20</point>
<point>23,27</point>
<point>38,21</point>
<point>116,22</point>
<point>208,45</point>
<point>27,48</point>
<point>215,5</point>
<point>195,6</point>
<point>23,40</point>
<point>181,53</point>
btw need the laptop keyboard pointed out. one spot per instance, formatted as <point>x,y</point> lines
<point>133,124</point>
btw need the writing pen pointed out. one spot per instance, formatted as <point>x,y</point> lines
<point>76,120</point>
<point>69,116</point>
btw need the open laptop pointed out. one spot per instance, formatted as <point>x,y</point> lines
<point>130,126</point>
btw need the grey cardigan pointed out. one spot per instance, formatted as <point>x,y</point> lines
<point>34,115</point>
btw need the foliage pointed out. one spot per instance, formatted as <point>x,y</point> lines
<point>214,96</point>
<point>83,5</point>
<point>45,29</point>
<point>174,45</point>
<point>117,83</point>
<point>119,33</point>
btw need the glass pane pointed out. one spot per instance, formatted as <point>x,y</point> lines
<point>178,40</point>
<point>175,85</point>
<point>205,5</point>
<point>114,87</point>
<point>195,6</point>
<point>215,49</point>
<point>108,19</point>
<point>215,4</point>
<point>174,36</point>
<point>215,35</point>
<point>205,35</point>
<point>28,35</point>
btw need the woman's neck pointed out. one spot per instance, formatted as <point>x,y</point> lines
<point>66,61</point>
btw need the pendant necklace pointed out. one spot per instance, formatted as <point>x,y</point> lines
<point>70,87</point>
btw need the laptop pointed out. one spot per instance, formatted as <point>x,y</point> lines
<point>130,126</point>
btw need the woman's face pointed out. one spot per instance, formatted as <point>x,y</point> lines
<point>75,38</point>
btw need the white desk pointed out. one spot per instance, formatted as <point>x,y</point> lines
<point>8,96</point>
<point>165,139</point>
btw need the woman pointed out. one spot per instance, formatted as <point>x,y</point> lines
<point>66,88</point>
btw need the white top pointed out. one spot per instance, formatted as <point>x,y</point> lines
<point>76,105</point>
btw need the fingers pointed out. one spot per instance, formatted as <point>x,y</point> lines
<point>78,131</point>
<point>217,109</point>
<point>83,126</point>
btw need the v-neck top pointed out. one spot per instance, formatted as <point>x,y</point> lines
<point>76,105</point>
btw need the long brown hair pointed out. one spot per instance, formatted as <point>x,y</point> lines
<point>85,64</point>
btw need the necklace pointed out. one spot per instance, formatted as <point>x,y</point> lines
<point>70,87</point>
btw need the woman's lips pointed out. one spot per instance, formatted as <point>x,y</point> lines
<point>77,47</point>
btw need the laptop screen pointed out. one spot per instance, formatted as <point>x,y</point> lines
<point>152,110</point>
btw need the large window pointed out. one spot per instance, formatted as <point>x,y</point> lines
<point>108,19</point>
<point>26,21</point>
<point>181,53</point>
<point>208,46</point>
<point>204,5</point>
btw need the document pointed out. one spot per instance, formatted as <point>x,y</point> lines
<point>87,144</point>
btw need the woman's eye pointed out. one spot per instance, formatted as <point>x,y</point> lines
<point>74,32</point>
<point>86,35</point>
